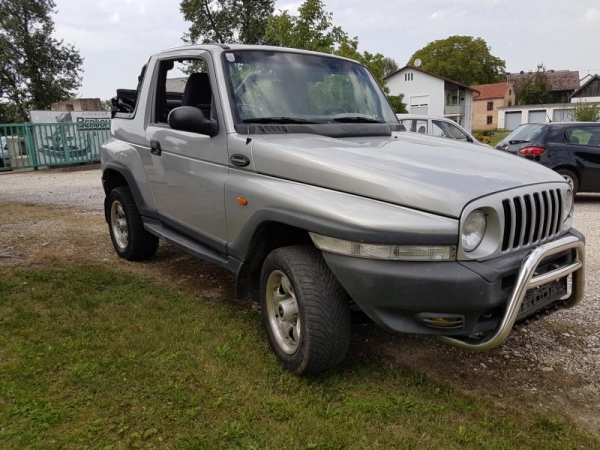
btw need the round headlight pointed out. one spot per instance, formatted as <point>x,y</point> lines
<point>473,230</point>
<point>568,205</point>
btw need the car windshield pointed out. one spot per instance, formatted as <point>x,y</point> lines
<point>525,133</point>
<point>286,87</point>
<point>448,130</point>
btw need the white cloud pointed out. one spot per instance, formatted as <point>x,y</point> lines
<point>117,36</point>
<point>115,17</point>
<point>592,15</point>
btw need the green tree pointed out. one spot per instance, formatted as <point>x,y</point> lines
<point>534,89</point>
<point>464,59</point>
<point>312,29</point>
<point>397,102</point>
<point>389,66</point>
<point>37,68</point>
<point>379,65</point>
<point>587,112</point>
<point>226,21</point>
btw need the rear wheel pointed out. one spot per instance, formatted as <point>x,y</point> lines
<point>570,178</point>
<point>305,310</point>
<point>130,239</point>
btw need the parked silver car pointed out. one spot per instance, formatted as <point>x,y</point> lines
<point>287,167</point>
<point>437,126</point>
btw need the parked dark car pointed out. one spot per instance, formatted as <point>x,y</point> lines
<point>571,149</point>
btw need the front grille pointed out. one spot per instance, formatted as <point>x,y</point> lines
<point>531,218</point>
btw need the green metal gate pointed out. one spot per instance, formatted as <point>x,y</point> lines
<point>33,145</point>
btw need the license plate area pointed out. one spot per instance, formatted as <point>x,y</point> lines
<point>542,296</point>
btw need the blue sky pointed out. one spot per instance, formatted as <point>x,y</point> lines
<point>116,37</point>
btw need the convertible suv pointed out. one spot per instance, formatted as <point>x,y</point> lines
<point>286,167</point>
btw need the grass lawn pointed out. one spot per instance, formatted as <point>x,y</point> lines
<point>91,358</point>
<point>498,136</point>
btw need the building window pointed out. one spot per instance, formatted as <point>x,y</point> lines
<point>490,106</point>
<point>510,92</point>
<point>489,120</point>
<point>510,103</point>
<point>408,77</point>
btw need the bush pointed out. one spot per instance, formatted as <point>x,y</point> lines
<point>587,112</point>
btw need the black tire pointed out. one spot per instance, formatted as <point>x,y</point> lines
<point>567,173</point>
<point>323,310</point>
<point>140,244</point>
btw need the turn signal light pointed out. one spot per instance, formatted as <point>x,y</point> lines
<point>532,151</point>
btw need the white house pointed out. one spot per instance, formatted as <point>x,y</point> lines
<point>430,94</point>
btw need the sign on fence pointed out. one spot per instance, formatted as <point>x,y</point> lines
<point>58,142</point>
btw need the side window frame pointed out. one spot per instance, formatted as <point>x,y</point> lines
<point>160,86</point>
<point>587,129</point>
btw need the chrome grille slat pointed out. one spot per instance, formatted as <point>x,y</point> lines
<point>512,224</point>
<point>558,211</point>
<point>531,219</point>
<point>518,221</point>
<point>542,218</point>
<point>546,226</point>
<point>553,215</point>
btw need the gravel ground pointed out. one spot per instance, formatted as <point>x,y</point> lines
<point>544,358</point>
<point>49,187</point>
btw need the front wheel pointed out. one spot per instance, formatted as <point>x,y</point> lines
<point>305,310</point>
<point>130,239</point>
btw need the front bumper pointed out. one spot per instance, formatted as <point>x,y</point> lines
<point>487,296</point>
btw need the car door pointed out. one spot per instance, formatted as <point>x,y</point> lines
<point>187,171</point>
<point>583,142</point>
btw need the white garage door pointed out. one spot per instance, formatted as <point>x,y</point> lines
<point>562,115</point>
<point>537,116</point>
<point>512,120</point>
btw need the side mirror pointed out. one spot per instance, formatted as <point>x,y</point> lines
<point>188,118</point>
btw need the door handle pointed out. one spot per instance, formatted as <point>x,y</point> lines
<point>155,148</point>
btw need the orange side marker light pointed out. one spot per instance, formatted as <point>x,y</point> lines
<point>242,201</point>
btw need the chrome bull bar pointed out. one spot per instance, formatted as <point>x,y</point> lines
<point>525,281</point>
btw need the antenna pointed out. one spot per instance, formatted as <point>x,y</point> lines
<point>418,62</point>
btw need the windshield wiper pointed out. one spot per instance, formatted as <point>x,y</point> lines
<point>282,120</point>
<point>518,141</point>
<point>356,119</point>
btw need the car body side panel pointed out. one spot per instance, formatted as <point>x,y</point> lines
<point>587,159</point>
<point>325,211</point>
<point>123,157</point>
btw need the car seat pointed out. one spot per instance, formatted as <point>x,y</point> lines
<point>595,141</point>
<point>422,130</point>
<point>198,93</point>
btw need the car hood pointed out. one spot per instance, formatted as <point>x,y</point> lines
<point>422,172</point>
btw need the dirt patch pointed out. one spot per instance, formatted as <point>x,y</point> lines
<point>552,364</point>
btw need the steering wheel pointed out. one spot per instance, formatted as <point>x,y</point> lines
<point>248,110</point>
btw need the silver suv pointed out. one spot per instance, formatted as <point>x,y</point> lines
<point>288,168</point>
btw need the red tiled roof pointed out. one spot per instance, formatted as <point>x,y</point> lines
<point>489,91</point>
<point>559,80</point>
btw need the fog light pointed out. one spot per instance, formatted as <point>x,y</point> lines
<point>441,322</point>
